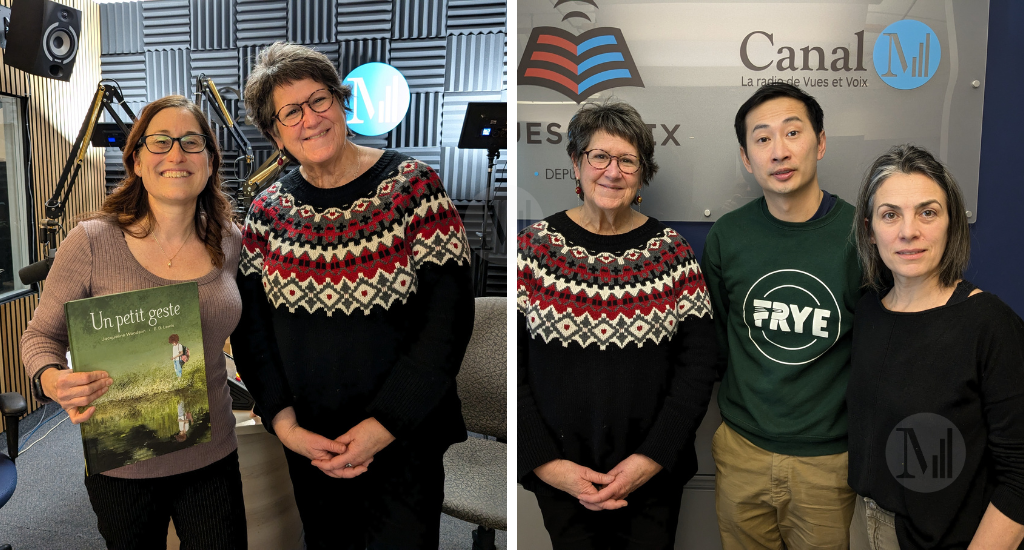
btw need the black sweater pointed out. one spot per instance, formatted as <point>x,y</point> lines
<point>616,347</point>
<point>357,302</point>
<point>963,362</point>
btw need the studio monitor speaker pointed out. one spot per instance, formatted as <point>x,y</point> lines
<point>43,39</point>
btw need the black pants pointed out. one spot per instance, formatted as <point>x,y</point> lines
<point>648,522</point>
<point>396,503</point>
<point>206,506</point>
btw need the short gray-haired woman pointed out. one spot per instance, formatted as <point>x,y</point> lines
<point>936,390</point>
<point>616,347</point>
<point>357,306</point>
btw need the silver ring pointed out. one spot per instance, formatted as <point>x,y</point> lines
<point>349,465</point>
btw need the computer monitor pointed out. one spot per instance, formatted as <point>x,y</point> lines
<point>485,126</point>
<point>109,134</point>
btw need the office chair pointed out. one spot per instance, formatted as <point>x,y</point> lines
<point>12,406</point>
<point>475,477</point>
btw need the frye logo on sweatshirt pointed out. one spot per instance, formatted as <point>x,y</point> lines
<point>791,316</point>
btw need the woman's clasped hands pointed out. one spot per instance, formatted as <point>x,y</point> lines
<point>347,456</point>
<point>361,443</point>
<point>595,490</point>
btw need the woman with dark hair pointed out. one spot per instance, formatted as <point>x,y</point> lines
<point>357,307</point>
<point>616,349</point>
<point>936,390</point>
<point>167,222</point>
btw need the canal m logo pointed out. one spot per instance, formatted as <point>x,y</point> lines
<point>380,99</point>
<point>791,316</point>
<point>907,54</point>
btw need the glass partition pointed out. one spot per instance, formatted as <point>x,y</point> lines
<point>885,72</point>
<point>15,217</point>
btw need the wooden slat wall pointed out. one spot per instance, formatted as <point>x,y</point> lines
<point>55,113</point>
<point>13,318</point>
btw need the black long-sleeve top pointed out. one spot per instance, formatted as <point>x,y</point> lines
<point>357,302</point>
<point>616,347</point>
<point>955,376</point>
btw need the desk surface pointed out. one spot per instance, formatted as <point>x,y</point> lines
<point>271,518</point>
<point>246,423</point>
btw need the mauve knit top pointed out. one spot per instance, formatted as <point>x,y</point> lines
<point>94,260</point>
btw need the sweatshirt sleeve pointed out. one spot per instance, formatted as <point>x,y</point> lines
<point>443,306</point>
<point>535,444</point>
<point>694,356</point>
<point>254,341</point>
<point>711,267</point>
<point>45,340</point>
<point>1003,400</point>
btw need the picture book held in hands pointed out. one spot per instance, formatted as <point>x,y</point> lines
<point>150,342</point>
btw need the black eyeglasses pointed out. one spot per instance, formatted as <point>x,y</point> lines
<point>160,143</point>
<point>600,159</point>
<point>319,101</point>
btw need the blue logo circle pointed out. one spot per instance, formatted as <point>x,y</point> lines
<point>380,99</point>
<point>907,54</point>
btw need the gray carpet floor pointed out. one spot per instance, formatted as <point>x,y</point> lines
<point>50,508</point>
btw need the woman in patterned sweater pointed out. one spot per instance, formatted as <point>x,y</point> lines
<point>616,349</point>
<point>357,309</point>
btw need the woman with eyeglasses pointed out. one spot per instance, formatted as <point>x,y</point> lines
<point>357,307</point>
<point>616,349</point>
<point>167,222</point>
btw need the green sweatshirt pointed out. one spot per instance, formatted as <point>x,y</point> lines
<point>783,296</point>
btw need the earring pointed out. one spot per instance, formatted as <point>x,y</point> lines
<point>638,199</point>
<point>579,189</point>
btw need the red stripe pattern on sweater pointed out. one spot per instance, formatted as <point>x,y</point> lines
<point>571,295</point>
<point>356,257</point>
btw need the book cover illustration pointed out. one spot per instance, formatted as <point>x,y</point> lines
<point>150,342</point>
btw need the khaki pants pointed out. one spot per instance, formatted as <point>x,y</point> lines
<point>774,501</point>
<point>873,528</point>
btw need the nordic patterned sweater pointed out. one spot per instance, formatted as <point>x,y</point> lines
<point>616,347</point>
<point>357,302</point>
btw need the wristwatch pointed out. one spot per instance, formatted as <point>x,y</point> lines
<point>37,382</point>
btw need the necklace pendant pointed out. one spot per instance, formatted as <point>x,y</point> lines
<point>168,263</point>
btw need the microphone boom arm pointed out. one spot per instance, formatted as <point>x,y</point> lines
<point>207,89</point>
<point>106,95</point>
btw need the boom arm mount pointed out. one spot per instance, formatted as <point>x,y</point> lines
<point>105,97</point>
<point>267,173</point>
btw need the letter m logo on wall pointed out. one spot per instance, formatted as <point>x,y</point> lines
<point>578,66</point>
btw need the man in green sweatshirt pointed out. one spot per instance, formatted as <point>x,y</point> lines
<point>784,279</point>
